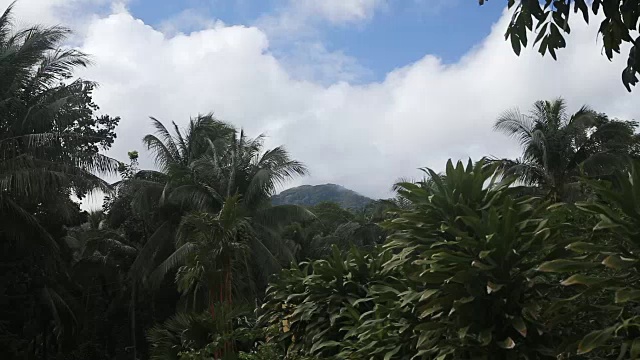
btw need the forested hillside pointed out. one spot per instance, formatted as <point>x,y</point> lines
<point>311,195</point>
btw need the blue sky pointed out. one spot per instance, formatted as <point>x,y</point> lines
<point>399,33</point>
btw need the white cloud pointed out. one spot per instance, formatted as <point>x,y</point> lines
<point>41,11</point>
<point>300,18</point>
<point>187,21</point>
<point>338,11</point>
<point>310,60</point>
<point>361,136</point>
<point>54,12</point>
<point>295,36</point>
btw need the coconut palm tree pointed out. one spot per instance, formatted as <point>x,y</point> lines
<point>162,196</point>
<point>49,150</point>
<point>200,171</point>
<point>38,115</point>
<point>211,248</point>
<point>558,146</point>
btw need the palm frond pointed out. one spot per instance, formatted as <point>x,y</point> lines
<point>181,144</point>
<point>59,64</point>
<point>162,154</point>
<point>6,23</point>
<point>274,168</point>
<point>161,240</point>
<point>57,306</point>
<point>272,240</point>
<point>514,124</point>
<point>177,258</point>
<point>264,261</point>
<point>107,246</point>
<point>527,172</point>
<point>193,197</point>
<point>32,230</point>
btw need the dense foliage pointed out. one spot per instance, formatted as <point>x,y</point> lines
<point>528,258</point>
<point>50,142</point>
<point>457,279</point>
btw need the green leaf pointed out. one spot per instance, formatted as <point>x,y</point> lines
<point>485,337</point>
<point>485,253</point>
<point>579,279</point>
<point>618,262</point>
<point>635,349</point>
<point>428,326</point>
<point>430,310</point>
<point>462,332</point>
<point>595,339</point>
<point>439,256</point>
<point>389,354</point>
<point>605,224</point>
<point>541,33</point>
<point>380,289</point>
<point>624,295</point>
<point>562,265</point>
<point>491,287</point>
<point>584,247</point>
<point>582,6</point>
<point>507,343</point>
<point>321,345</point>
<point>519,325</point>
<point>515,43</point>
<point>428,293</point>
<point>481,265</point>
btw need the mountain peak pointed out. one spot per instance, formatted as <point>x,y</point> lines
<point>310,195</point>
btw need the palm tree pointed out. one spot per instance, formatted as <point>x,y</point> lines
<point>558,146</point>
<point>36,114</point>
<point>200,172</point>
<point>161,197</point>
<point>255,174</point>
<point>45,157</point>
<point>212,248</point>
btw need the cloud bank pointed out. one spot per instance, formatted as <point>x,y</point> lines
<point>362,136</point>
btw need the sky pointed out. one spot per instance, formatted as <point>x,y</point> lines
<point>364,92</point>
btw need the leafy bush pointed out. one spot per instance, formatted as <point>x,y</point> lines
<point>457,280</point>
<point>195,336</point>
<point>318,304</point>
<point>468,251</point>
<point>605,265</point>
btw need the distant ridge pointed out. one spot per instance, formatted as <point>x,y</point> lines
<point>310,195</point>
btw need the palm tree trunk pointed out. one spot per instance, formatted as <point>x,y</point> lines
<point>212,311</point>
<point>44,340</point>
<point>228,282</point>
<point>229,346</point>
<point>132,311</point>
<point>212,301</point>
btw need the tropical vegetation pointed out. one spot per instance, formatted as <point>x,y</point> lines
<point>527,258</point>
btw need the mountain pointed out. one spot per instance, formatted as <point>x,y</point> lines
<point>310,195</point>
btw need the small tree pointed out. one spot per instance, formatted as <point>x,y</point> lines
<point>607,263</point>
